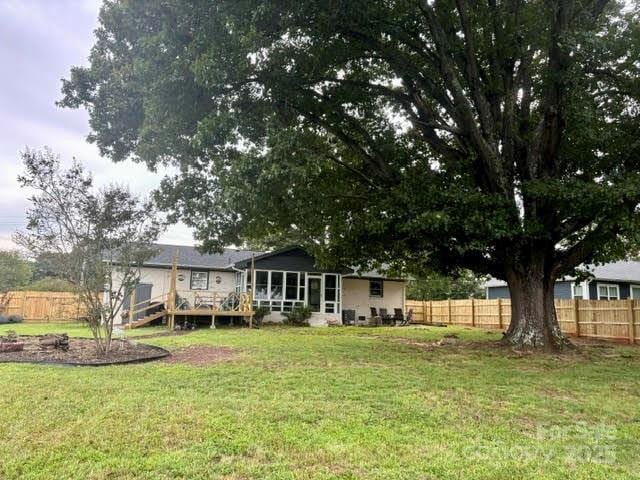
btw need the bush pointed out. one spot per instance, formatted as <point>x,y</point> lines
<point>49,284</point>
<point>298,316</point>
<point>259,313</point>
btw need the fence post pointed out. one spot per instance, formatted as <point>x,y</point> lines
<point>431,312</point>
<point>500,313</point>
<point>632,327</point>
<point>576,315</point>
<point>473,312</point>
<point>424,311</point>
<point>449,310</point>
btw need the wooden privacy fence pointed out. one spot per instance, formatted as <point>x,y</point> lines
<point>604,319</point>
<point>48,307</point>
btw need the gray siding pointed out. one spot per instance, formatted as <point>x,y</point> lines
<point>295,260</point>
<point>497,292</point>
<point>561,290</point>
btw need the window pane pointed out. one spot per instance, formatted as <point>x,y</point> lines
<point>329,294</point>
<point>199,280</point>
<point>330,281</point>
<point>276,285</point>
<point>577,291</point>
<point>602,292</point>
<point>262,279</point>
<point>635,293</point>
<point>375,288</point>
<point>291,292</point>
<point>329,308</point>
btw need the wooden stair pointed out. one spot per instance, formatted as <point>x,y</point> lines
<point>148,318</point>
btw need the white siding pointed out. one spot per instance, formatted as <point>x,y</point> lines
<point>160,279</point>
<point>355,296</point>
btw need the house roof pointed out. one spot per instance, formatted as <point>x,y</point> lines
<point>623,271</point>
<point>190,257</point>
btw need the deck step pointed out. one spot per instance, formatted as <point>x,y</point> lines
<point>146,319</point>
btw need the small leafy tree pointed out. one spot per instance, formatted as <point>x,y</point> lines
<point>96,239</point>
<point>435,286</point>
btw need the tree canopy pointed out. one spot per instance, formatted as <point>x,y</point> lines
<point>15,270</point>
<point>434,286</point>
<point>502,137</point>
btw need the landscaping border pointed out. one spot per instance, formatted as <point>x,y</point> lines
<point>159,354</point>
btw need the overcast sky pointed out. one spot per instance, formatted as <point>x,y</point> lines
<point>39,41</point>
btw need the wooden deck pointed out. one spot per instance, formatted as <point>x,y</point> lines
<point>204,312</point>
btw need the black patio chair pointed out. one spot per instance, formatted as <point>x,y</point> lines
<point>386,318</point>
<point>406,320</point>
<point>398,316</point>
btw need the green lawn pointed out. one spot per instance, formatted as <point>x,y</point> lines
<point>332,403</point>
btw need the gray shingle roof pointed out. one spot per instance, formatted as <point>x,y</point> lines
<point>190,257</point>
<point>623,271</point>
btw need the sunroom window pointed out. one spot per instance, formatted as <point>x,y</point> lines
<point>262,285</point>
<point>276,285</point>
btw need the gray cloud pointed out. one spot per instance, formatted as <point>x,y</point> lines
<point>39,41</point>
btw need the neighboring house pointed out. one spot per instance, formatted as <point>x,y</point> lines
<point>284,278</point>
<point>612,281</point>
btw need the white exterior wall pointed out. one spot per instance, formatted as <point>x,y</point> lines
<point>160,278</point>
<point>355,296</point>
<point>316,320</point>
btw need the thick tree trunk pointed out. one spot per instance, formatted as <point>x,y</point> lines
<point>534,324</point>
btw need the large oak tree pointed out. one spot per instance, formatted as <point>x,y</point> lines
<point>500,136</point>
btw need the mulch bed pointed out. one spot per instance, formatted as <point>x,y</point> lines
<point>82,351</point>
<point>202,355</point>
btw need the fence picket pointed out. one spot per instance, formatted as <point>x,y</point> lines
<point>604,319</point>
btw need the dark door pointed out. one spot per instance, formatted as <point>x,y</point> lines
<point>315,291</point>
<point>143,295</point>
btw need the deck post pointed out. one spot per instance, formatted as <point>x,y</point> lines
<point>132,303</point>
<point>500,313</point>
<point>171,301</point>
<point>253,279</point>
<point>576,315</point>
<point>449,311</point>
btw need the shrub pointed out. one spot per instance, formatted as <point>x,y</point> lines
<point>15,318</point>
<point>298,316</point>
<point>259,313</point>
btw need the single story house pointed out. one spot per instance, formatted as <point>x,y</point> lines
<point>612,281</point>
<point>284,278</point>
